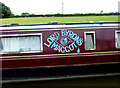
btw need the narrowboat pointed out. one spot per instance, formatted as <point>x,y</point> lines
<point>59,51</point>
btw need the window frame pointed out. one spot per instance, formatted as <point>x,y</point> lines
<point>94,43</point>
<point>116,45</point>
<point>18,35</point>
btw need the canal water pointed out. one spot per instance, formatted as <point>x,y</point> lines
<point>109,81</point>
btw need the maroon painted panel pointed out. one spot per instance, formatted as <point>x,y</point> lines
<point>105,38</point>
<point>58,61</point>
<point>105,41</point>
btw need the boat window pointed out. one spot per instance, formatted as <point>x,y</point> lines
<point>1,45</point>
<point>117,36</point>
<point>22,43</point>
<point>89,40</point>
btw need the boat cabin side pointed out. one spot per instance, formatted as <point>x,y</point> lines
<point>60,40</point>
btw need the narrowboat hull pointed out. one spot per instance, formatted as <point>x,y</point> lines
<point>61,67</point>
<point>65,51</point>
<point>51,60</point>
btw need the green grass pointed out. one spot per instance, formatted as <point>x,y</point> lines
<point>38,20</point>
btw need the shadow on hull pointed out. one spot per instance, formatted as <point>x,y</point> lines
<point>65,72</point>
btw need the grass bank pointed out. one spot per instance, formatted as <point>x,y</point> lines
<point>38,20</point>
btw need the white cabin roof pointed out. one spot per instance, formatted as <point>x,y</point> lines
<point>58,25</point>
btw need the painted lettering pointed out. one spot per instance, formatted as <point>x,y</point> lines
<point>79,41</point>
<point>57,35</point>
<point>67,49</point>
<point>63,32</point>
<point>54,40</point>
<point>63,49</point>
<point>55,46</point>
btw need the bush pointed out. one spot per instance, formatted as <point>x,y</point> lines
<point>5,11</point>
